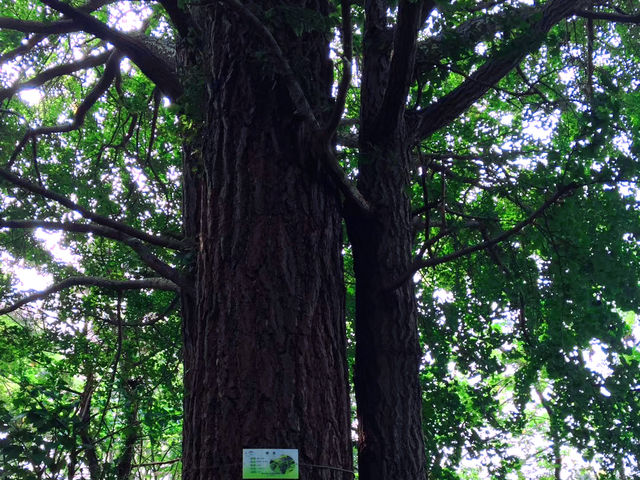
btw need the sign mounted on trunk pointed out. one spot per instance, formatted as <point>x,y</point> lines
<point>270,463</point>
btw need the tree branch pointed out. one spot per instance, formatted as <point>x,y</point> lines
<point>119,285</point>
<point>418,263</point>
<point>156,464</point>
<point>159,316</point>
<point>49,28</point>
<point>431,50</point>
<point>136,245</point>
<point>448,108</point>
<point>149,63</point>
<point>402,64</point>
<point>46,28</point>
<point>111,68</point>
<point>180,18</point>
<point>22,48</point>
<point>54,72</point>
<point>159,241</point>
<point>611,17</point>
<point>345,81</point>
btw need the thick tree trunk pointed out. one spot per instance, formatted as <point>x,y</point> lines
<point>388,353</point>
<point>264,336</point>
<point>387,348</point>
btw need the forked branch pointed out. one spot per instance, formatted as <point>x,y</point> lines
<point>101,87</point>
<point>154,67</point>
<point>420,263</point>
<point>448,108</point>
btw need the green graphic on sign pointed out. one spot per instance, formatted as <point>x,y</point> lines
<point>270,463</point>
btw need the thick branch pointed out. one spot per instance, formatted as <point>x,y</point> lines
<point>431,50</point>
<point>610,17</point>
<point>156,264</point>
<point>119,285</point>
<point>47,28</point>
<point>150,64</point>
<point>22,48</point>
<point>180,18</point>
<point>449,107</point>
<point>432,262</point>
<point>402,63</point>
<point>88,214</point>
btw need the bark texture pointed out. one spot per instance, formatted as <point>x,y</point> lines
<point>264,335</point>
<point>387,348</point>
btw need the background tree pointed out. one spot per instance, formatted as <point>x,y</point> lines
<point>492,145</point>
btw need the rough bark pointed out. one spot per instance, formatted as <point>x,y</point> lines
<point>264,336</point>
<point>387,348</point>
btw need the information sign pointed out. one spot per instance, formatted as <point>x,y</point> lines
<point>270,463</point>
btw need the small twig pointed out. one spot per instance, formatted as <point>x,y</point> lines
<point>156,464</point>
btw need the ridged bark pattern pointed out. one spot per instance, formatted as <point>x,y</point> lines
<point>387,348</point>
<point>388,353</point>
<point>265,353</point>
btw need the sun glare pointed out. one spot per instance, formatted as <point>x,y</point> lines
<point>31,96</point>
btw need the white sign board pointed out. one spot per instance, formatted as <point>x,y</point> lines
<point>270,463</point>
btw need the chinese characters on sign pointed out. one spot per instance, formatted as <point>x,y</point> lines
<point>270,463</point>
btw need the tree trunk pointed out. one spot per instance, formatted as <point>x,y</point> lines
<point>388,353</point>
<point>386,378</point>
<point>264,334</point>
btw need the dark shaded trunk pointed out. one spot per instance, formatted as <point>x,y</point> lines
<point>131,431</point>
<point>84,417</point>
<point>264,336</point>
<point>387,347</point>
<point>388,353</point>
